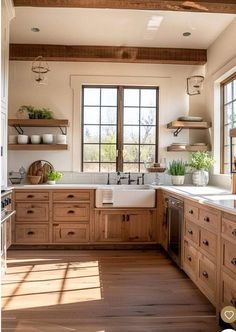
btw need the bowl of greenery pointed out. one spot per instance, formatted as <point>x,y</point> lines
<point>201,162</point>
<point>54,176</point>
<point>177,170</point>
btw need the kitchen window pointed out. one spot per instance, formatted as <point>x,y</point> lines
<point>228,93</point>
<point>119,128</point>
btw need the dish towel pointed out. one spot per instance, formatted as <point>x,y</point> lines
<point>107,196</point>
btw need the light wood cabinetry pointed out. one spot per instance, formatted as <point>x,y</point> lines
<point>201,236</point>
<point>125,225</point>
<point>228,261</point>
<point>53,216</point>
<point>162,198</point>
<point>31,234</point>
<point>70,233</point>
<point>32,217</point>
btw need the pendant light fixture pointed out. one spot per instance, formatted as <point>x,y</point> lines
<point>40,68</point>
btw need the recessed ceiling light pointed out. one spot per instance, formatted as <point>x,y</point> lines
<point>34,29</point>
<point>187,34</point>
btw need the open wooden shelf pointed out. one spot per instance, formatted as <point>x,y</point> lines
<point>189,148</point>
<point>188,125</point>
<point>38,122</point>
<point>35,147</point>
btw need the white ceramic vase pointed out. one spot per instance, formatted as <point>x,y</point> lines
<point>200,178</point>
<point>51,182</point>
<point>177,180</point>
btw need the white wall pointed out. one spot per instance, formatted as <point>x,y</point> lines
<point>58,95</point>
<point>221,63</point>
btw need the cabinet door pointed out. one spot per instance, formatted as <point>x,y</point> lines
<point>140,226</point>
<point>109,226</point>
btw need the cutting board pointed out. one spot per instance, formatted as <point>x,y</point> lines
<point>40,167</point>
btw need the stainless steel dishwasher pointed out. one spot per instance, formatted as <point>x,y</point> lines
<point>175,208</point>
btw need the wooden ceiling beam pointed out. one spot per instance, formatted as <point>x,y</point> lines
<point>211,6</point>
<point>28,52</point>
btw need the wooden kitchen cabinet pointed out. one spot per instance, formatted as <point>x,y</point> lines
<point>125,225</point>
<point>228,262</point>
<point>162,199</point>
<point>201,249</point>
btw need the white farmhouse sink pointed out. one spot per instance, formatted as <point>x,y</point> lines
<point>125,196</point>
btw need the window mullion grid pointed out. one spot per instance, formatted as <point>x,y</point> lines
<point>120,111</point>
<point>139,130</point>
<point>100,126</point>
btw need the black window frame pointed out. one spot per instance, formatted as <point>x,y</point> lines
<point>120,125</point>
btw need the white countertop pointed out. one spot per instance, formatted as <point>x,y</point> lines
<point>209,195</point>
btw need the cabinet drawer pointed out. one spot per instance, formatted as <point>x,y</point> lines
<point>71,196</point>
<point>229,256</point>
<point>31,234</point>
<point>209,218</point>
<point>70,233</point>
<point>191,212</point>
<point>32,211</point>
<point>208,241</point>
<point>229,229</point>
<point>29,196</point>
<point>71,212</point>
<point>190,259</point>
<point>228,292</point>
<point>192,232</point>
<point>207,276</point>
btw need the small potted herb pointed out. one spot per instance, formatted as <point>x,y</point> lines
<point>177,170</point>
<point>54,176</point>
<point>201,162</point>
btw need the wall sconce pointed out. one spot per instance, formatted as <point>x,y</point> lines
<point>194,85</point>
<point>40,68</point>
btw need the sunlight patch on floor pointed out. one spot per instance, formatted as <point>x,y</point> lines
<point>51,284</point>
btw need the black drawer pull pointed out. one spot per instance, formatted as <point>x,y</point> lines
<point>71,233</point>
<point>30,211</point>
<point>234,232</point>
<point>70,196</point>
<point>190,231</point>
<point>190,211</point>
<point>207,219</point>
<point>127,217</point>
<point>189,258</point>
<point>233,261</point>
<point>205,274</point>
<point>205,242</point>
<point>233,302</point>
<point>30,233</point>
<point>71,211</point>
<point>30,196</point>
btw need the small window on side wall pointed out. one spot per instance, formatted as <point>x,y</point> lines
<point>228,116</point>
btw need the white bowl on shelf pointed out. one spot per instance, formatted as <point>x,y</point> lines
<point>35,139</point>
<point>22,139</point>
<point>47,138</point>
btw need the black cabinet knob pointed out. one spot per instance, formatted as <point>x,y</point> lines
<point>205,242</point>
<point>205,274</point>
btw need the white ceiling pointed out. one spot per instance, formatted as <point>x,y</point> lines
<point>112,27</point>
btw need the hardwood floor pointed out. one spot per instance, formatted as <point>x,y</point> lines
<point>101,291</point>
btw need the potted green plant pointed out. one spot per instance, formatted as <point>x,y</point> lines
<point>54,176</point>
<point>36,113</point>
<point>177,170</point>
<point>201,162</point>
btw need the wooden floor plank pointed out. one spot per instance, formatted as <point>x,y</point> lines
<point>101,291</point>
